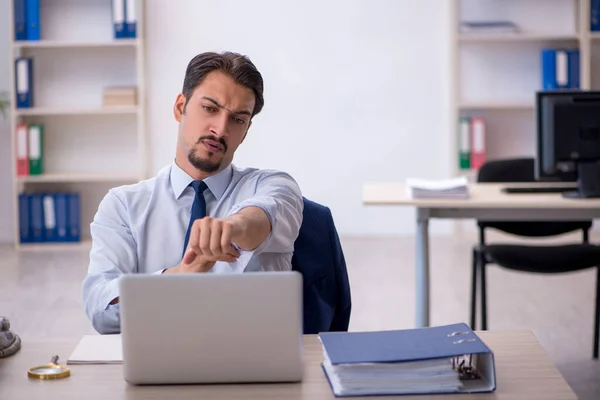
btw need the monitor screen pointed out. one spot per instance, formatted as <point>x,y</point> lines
<point>568,132</point>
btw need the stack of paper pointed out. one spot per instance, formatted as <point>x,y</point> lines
<point>410,361</point>
<point>420,377</point>
<point>455,188</point>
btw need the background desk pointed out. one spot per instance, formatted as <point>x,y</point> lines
<point>523,371</point>
<point>487,202</point>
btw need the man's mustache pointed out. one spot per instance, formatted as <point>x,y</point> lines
<point>215,139</point>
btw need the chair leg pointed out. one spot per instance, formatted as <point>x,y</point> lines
<point>596,316</point>
<point>474,287</point>
<point>482,267</point>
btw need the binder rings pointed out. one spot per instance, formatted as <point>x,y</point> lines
<point>24,82</point>
<point>442,359</point>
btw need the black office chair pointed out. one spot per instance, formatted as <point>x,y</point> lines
<point>529,258</point>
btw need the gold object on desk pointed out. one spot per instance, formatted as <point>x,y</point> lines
<point>49,371</point>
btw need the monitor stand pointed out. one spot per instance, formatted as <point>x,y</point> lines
<point>588,181</point>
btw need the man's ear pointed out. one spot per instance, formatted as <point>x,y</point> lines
<point>178,107</point>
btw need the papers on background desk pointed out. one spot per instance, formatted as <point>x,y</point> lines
<point>455,188</point>
<point>97,349</point>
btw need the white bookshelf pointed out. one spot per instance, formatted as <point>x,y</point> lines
<point>88,148</point>
<point>496,75</point>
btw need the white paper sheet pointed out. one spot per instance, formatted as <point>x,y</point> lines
<point>97,349</point>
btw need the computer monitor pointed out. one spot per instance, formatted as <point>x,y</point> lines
<point>568,139</point>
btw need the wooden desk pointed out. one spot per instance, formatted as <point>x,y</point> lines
<point>523,371</point>
<point>487,201</point>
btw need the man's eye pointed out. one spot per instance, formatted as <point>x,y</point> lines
<point>209,109</point>
<point>240,121</point>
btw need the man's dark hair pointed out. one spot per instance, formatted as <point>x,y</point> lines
<point>237,66</point>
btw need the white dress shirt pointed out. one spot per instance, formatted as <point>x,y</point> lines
<point>141,228</point>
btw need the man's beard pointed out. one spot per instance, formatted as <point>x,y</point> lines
<point>205,165</point>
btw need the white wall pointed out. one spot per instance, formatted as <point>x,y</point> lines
<point>6,191</point>
<point>355,91</point>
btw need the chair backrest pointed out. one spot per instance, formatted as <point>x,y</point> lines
<point>318,256</point>
<point>507,170</point>
<point>522,170</point>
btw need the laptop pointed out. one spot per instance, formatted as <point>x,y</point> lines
<point>212,328</point>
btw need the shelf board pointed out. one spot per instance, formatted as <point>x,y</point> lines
<point>595,35</point>
<point>84,244</point>
<point>498,105</point>
<point>45,44</point>
<point>513,37</point>
<point>60,178</point>
<point>40,111</point>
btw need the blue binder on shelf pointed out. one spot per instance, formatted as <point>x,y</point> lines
<point>441,359</point>
<point>24,220</point>
<point>560,69</point>
<point>73,218</point>
<point>20,20</point>
<point>118,18</point>
<point>130,19</point>
<point>32,11</point>
<point>61,210</point>
<point>573,67</point>
<point>24,82</point>
<point>36,215</point>
<point>595,15</point>
<point>50,231</point>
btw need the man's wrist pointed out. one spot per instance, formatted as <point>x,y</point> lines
<point>239,226</point>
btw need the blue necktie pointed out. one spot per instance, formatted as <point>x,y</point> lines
<point>198,208</point>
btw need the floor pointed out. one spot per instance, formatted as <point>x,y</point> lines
<point>40,293</point>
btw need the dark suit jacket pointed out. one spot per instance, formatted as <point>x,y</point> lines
<point>319,257</point>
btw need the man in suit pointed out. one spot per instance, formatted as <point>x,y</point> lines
<point>201,213</point>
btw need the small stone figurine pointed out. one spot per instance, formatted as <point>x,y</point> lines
<point>10,342</point>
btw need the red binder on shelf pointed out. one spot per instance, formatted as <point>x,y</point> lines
<point>478,148</point>
<point>22,133</point>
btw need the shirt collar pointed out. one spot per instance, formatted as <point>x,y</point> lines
<point>217,183</point>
